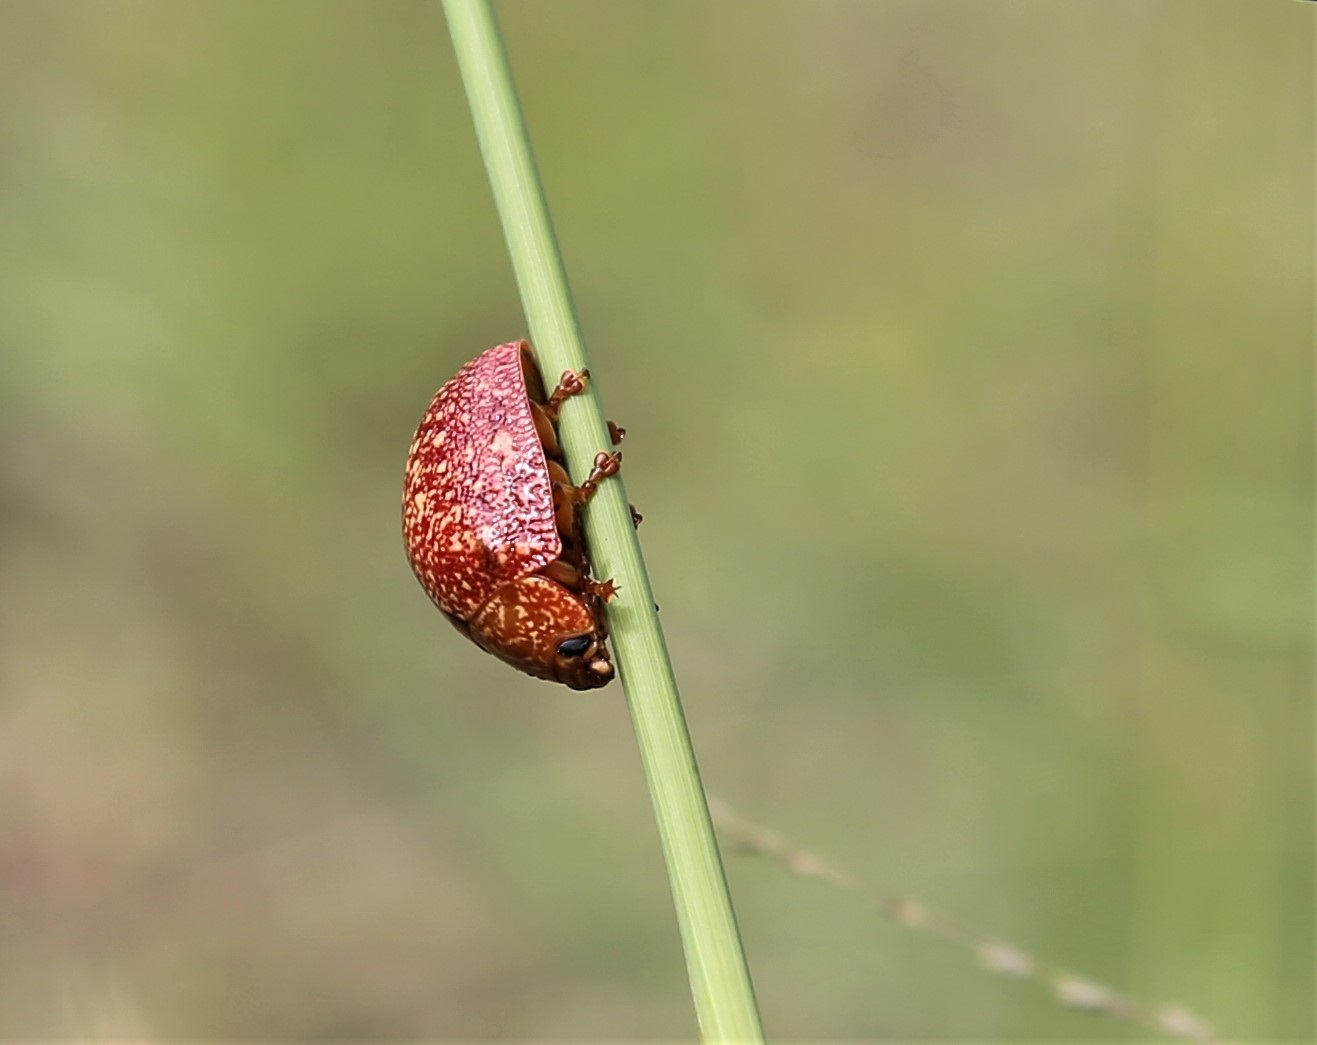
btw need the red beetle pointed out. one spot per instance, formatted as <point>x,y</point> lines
<point>490,519</point>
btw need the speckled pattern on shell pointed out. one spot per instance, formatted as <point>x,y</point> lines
<point>477,501</point>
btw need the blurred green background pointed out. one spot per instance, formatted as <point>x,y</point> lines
<point>965,352</point>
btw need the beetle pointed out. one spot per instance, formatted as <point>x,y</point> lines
<point>491,519</point>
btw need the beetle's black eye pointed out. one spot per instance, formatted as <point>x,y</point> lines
<point>574,647</point>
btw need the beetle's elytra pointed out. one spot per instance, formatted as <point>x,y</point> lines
<point>491,522</point>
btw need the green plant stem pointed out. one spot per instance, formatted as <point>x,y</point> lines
<point>720,981</point>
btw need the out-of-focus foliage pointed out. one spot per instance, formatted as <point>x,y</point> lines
<point>965,354</point>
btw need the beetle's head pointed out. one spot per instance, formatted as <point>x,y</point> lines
<point>546,630</point>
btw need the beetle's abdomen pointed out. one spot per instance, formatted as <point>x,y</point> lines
<point>477,500</point>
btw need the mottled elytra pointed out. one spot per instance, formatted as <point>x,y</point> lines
<point>490,519</point>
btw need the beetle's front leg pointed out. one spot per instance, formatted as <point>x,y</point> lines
<point>570,577</point>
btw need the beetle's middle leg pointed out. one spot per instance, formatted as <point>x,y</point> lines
<point>544,430</point>
<point>566,496</point>
<point>544,417</point>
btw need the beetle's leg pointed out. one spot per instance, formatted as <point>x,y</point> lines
<point>548,436</point>
<point>572,383</point>
<point>564,573</point>
<point>605,464</point>
<point>544,430</point>
<point>570,576</point>
<point>558,475</point>
<point>617,433</point>
<point>564,511</point>
<point>565,498</point>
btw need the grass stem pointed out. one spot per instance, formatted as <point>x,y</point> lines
<point>720,981</point>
